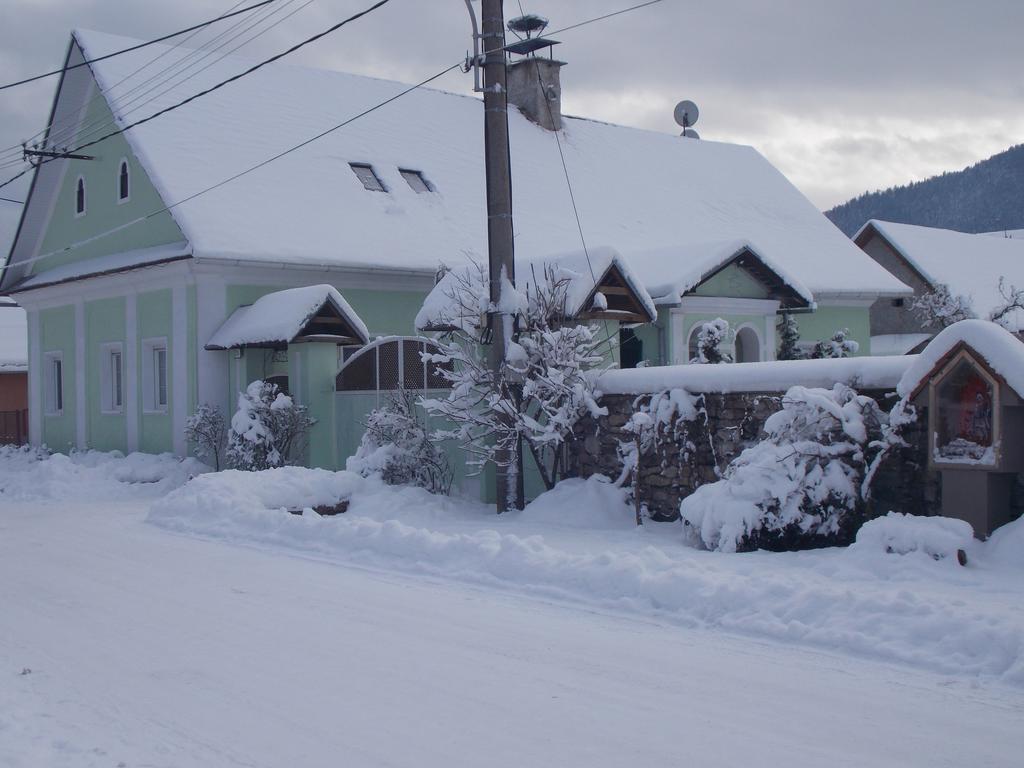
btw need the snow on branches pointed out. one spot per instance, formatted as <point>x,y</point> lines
<point>1013,301</point>
<point>541,389</point>
<point>789,338</point>
<point>709,342</point>
<point>837,346</point>
<point>940,308</point>
<point>806,484</point>
<point>207,430</point>
<point>398,445</point>
<point>268,429</point>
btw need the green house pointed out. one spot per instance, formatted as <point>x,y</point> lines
<point>134,265</point>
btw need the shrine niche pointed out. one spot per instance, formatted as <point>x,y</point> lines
<point>976,436</point>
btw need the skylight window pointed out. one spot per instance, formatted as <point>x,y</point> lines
<point>368,176</point>
<point>416,180</point>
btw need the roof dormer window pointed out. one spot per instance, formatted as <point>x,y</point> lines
<point>416,180</point>
<point>123,182</point>
<point>80,197</point>
<point>368,176</point>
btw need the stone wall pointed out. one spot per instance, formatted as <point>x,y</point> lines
<point>697,452</point>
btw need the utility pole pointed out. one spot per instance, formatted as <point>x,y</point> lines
<point>500,247</point>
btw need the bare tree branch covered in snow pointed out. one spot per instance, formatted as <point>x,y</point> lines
<point>709,342</point>
<point>541,389</point>
<point>1013,301</point>
<point>268,429</point>
<point>207,430</point>
<point>398,445</point>
<point>940,308</point>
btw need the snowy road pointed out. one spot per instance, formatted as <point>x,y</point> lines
<point>151,649</point>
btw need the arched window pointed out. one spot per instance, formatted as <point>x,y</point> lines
<point>123,182</point>
<point>80,197</point>
<point>691,347</point>
<point>389,363</point>
<point>748,345</point>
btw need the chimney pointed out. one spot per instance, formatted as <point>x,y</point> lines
<point>534,85</point>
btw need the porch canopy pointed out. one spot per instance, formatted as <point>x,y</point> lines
<point>310,313</point>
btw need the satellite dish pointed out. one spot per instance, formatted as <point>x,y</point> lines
<point>686,113</point>
<point>689,133</point>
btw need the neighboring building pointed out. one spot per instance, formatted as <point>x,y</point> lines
<point>925,258</point>
<point>13,373</point>
<point>136,293</point>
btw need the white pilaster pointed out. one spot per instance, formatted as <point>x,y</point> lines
<point>35,390</point>
<point>211,367</point>
<point>131,370</point>
<point>81,420</point>
<point>179,367</point>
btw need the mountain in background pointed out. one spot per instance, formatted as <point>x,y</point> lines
<point>985,197</point>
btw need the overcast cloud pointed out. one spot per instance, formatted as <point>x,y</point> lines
<point>842,96</point>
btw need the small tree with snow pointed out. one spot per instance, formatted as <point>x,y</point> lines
<point>709,342</point>
<point>807,483</point>
<point>939,308</point>
<point>207,430</point>
<point>268,429</point>
<point>541,389</point>
<point>397,444</point>
<point>789,338</point>
<point>837,346</point>
<point>1013,301</point>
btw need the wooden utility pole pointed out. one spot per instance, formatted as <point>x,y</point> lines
<point>500,248</point>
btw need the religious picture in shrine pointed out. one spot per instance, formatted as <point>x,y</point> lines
<point>964,424</point>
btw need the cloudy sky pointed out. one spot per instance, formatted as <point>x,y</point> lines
<point>842,95</point>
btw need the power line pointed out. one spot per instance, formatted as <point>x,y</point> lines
<point>136,47</point>
<point>605,16</point>
<point>211,89</point>
<point>240,174</point>
<point>11,200</point>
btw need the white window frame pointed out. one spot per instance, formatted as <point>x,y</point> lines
<point>111,377</point>
<point>150,382</point>
<point>117,182</point>
<point>53,387</point>
<point>85,197</point>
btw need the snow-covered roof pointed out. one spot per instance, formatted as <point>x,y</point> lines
<point>13,338</point>
<point>279,317</point>
<point>1001,351</point>
<point>668,273</point>
<point>969,265</point>
<point>461,296</point>
<point>896,343</point>
<point>773,376</point>
<point>635,189</point>
<point>1013,234</point>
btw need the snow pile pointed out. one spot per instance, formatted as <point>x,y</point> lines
<point>1003,352</point>
<point>280,316</point>
<point>799,487</point>
<point>1005,547</point>
<point>860,601</point>
<point>28,474</point>
<point>901,534</point>
<point>773,376</point>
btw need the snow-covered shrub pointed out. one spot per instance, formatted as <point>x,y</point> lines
<point>207,430</point>
<point>709,342</point>
<point>789,338</point>
<point>541,390</point>
<point>397,444</point>
<point>837,346</point>
<point>939,308</point>
<point>806,484</point>
<point>268,429</point>
<point>900,534</point>
<point>1013,301</point>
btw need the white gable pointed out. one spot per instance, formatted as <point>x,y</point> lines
<point>970,265</point>
<point>635,190</point>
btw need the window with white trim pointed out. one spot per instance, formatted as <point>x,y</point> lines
<point>53,382</point>
<point>124,182</point>
<point>112,378</point>
<point>80,197</point>
<point>154,375</point>
<point>369,177</point>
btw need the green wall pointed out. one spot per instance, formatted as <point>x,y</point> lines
<point>103,212</point>
<point>825,321</point>
<point>154,318</point>
<point>104,322</point>
<point>733,282</point>
<point>57,334</point>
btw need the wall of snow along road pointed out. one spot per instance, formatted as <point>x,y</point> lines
<point>578,543</point>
